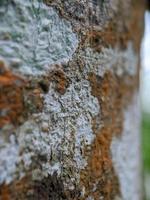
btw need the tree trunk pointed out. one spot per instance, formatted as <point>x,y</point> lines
<point>69,112</point>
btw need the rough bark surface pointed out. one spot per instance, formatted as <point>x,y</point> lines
<point>69,112</point>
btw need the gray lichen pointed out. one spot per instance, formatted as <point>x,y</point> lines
<point>33,36</point>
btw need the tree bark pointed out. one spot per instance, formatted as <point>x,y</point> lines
<point>69,111</point>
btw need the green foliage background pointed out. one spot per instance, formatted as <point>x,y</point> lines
<point>146,141</point>
<point>146,148</point>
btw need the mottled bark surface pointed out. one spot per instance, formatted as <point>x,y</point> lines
<point>69,111</point>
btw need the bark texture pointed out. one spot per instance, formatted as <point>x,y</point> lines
<point>69,111</point>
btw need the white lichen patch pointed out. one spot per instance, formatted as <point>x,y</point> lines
<point>89,198</point>
<point>111,59</point>
<point>8,159</point>
<point>33,36</point>
<point>126,154</point>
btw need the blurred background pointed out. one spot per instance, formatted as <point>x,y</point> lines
<point>145,101</point>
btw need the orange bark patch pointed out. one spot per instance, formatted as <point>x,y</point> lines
<point>21,189</point>
<point>4,193</point>
<point>11,98</point>
<point>60,80</point>
<point>99,178</point>
<point>136,23</point>
<point>110,36</point>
